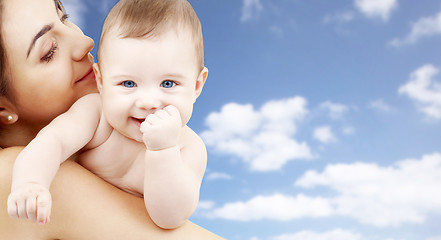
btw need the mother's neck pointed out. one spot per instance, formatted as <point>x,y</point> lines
<point>17,134</point>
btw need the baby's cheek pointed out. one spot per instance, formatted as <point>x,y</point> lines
<point>186,115</point>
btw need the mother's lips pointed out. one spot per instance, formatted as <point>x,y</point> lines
<point>88,76</point>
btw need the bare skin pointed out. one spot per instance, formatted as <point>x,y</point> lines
<point>111,220</point>
<point>161,159</point>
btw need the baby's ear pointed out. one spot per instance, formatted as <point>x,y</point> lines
<point>200,83</point>
<point>98,77</point>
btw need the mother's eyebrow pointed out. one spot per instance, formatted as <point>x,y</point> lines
<point>45,29</point>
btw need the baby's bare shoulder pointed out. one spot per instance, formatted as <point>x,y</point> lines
<point>193,150</point>
<point>191,138</point>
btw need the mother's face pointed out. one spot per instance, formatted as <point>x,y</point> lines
<point>50,66</point>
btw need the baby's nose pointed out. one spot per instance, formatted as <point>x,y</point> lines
<point>148,102</point>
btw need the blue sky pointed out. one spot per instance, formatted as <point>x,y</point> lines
<point>322,119</point>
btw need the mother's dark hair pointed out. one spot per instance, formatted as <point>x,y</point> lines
<point>3,75</point>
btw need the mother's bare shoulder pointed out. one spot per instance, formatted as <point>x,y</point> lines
<point>7,159</point>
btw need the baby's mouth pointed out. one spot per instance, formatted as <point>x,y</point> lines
<point>138,120</point>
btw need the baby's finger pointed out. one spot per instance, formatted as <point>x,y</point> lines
<point>31,208</point>
<point>43,208</point>
<point>21,209</point>
<point>152,119</point>
<point>12,207</point>
<point>162,114</point>
<point>144,125</point>
<point>172,110</point>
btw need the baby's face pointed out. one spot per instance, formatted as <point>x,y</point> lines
<point>140,76</point>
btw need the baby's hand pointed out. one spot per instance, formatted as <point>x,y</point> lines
<point>162,129</point>
<point>30,201</point>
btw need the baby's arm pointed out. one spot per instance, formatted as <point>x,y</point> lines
<point>173,173</point>
<point>38,163</point>
<point>87,207</point>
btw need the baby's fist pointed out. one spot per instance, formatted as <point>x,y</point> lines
<point>162,129</point>
<point>30,201</point>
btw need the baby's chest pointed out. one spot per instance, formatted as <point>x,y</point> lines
<point>119,161</point>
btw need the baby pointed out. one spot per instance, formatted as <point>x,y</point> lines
<point>133,134</point>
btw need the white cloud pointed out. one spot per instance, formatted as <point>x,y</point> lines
<point>424,90</point>
<point>276,207</point>
<point>379,104</point>
<point>204,205</point>
<point>424,27</point>
<point>250,9</point>
<point>336,110</point>
<point>324,134</point>
<point>336,234</point>
<point>217,175</point>
<point>262,138</point>
<point>348,130</point>
<point>76,10</point>
<point>406,192</point>
<point>376,8</point>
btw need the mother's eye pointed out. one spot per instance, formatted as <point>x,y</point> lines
<point>62,14</point>
<point>50,54</point>
<point>64,18</point>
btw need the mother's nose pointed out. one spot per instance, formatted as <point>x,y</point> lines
<point>80,44</point>
<point>81,47</point>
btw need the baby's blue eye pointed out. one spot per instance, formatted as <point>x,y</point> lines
<point>168,84</point>
<point>129,84</point>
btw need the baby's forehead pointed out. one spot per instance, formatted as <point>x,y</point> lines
<point>171,49</point>
<point>182,35</point>
<point>181,30</point>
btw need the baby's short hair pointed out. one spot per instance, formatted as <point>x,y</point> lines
<point>150,18</point>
